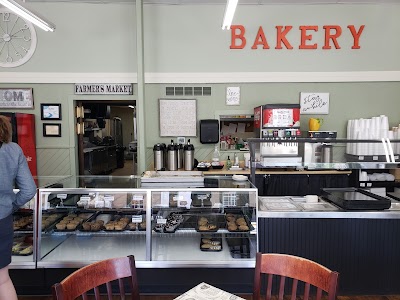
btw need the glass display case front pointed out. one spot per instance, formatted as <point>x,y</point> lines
<point>24,243</point>
<point>87,219</point>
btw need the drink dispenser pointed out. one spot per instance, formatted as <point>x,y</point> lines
<point>180,156</point>
<point>158,151</point>
<point>172,154</point>
<point>188,156</point>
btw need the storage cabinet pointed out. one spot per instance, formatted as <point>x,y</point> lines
<point>211,224</point>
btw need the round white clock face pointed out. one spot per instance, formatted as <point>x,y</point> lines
<point>17,39</point>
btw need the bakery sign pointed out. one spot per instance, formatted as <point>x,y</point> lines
<point>103,89</point>
<point>305,36</point>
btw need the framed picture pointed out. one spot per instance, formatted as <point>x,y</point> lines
<point>16,98</point>
<point>51,130</point>
<point>50,111</point>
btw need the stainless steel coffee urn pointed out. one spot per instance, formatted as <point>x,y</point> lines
<point>158,151</point>
<point>188,156</point>
<point>180,156</point>
<point>172,154</point>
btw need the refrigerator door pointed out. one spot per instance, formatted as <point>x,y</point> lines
<point>23,126</point>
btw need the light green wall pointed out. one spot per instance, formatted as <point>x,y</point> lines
<point>188,38</point>
<point>56,156</point>
<point>347,101</point>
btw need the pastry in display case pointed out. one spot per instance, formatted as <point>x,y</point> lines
<point>163,226</point>
<point>23,242</point>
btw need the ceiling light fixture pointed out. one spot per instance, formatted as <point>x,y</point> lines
<point>229,13</point>
<point>27,15</point>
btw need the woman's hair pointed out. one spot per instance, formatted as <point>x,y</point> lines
<point>5,129</point>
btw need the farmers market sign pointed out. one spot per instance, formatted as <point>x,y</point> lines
<point>104,89</point>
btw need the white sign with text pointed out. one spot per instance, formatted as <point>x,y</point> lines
<point>314,103</point>
<point>233,95</point>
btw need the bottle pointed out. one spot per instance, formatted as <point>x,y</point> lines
<point>236,160</point>
<point>228,163</point>
<point>216,154</point>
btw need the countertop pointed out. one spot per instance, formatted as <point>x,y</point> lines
<point>90,149</point>
<point>334,213</point>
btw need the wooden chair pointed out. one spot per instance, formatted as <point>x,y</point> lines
<point>282,266</point>
<point>98,274</point>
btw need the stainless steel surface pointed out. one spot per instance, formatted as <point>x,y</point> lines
<point>159,160</point>
<point>323,210</point>
<point>188,156</point>
<point>326,153</point>
<point>386,214</point>
<point>172,157</point>
<point>180,156</point>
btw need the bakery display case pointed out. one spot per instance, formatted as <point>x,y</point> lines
<point>23,250</point>
<point>24,220</point>
<point>209,223</point>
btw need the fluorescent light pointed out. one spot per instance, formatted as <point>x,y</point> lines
<point>229,13</point>
<point>27,15</point>
<point>131,106</point>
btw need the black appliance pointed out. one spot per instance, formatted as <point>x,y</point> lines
<point>355,199</point>
<point>117,134</point>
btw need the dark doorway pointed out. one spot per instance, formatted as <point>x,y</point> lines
<point>107,137</point>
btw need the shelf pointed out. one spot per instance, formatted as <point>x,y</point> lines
<point>91,129</point>
<point>236,119</point>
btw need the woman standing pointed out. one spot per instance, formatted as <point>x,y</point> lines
<point>14,172</point>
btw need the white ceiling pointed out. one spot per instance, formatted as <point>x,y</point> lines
<point>252,2</point>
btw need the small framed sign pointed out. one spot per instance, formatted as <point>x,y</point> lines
<point>16,98</point>
<point>50,111</point>
<point>233,95</point>
<point>314,103</point>
<point>51,130</point>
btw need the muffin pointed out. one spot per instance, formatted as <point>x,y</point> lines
<point>132,226</point>
<point>95,226</point>
<point>232,227</point>
<point>244,227</point>
<point>61,226</point>
<point>71,226</point>
<point>109,226</point>
<point>86,226</point>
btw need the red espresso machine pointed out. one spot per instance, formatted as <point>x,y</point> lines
<point>23,133</point>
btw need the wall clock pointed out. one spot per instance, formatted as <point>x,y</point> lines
<point>17,39</point>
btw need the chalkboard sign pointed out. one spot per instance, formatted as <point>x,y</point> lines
<point>178,117</point>
<point>314,103</point>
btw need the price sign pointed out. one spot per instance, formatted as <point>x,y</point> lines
<point>161,221</point>
<point>137,219</point>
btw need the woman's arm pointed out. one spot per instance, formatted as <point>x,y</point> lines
<point>24,182</point>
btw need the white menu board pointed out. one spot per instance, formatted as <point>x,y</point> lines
<point>178,117</point>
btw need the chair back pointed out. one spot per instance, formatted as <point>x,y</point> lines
<point>278,268</point>
<point>96,275</point>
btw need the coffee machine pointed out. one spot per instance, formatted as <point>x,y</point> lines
<point>322,152</point>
